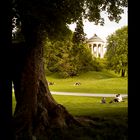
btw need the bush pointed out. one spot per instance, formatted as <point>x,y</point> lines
<point>100,64</point>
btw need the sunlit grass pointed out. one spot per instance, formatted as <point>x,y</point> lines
<point>109,120</point>
<point>91,82</point>
<point>13,102</point>
<point>91,106</point>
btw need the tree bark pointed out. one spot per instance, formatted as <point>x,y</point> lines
<point>123,73</point>
<point>36,110</point>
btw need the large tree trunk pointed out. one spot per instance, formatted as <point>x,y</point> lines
<point>36,110</point>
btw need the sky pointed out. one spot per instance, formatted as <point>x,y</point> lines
<point>103,31</point>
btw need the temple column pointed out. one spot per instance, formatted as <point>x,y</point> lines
<point>101,50</point>
<point>92,48</point>
<point>97,51</point>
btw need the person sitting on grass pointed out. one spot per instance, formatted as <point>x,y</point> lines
<point>118,98</point>
<point>103,101</point>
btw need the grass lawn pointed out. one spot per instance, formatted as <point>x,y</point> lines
<point>106,121</point>
<point>91,106</point>
<point>91,82</point>
<point>103,121</point>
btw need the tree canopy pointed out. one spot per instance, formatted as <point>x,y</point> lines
<point>54,15</point>
<point>117,50</point>
<point>66,58</point>
<point>79,35</point>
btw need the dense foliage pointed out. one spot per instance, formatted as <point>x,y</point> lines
<point>79,35</point>
<point>117,51</point>
<point>67,59</point>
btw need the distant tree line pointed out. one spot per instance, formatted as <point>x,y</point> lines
<point>71,56</point>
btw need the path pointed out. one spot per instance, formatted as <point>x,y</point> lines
<point>88,94</point>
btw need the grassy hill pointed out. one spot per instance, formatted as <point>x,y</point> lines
<point>91,82</point>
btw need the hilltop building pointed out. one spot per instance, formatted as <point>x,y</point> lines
<point>97,46</point>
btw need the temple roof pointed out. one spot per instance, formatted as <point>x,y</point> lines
<point>95,38</point>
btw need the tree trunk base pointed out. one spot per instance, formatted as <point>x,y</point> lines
<point>50,117</point>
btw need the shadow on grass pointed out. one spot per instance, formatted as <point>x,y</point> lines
<point>93,128</point>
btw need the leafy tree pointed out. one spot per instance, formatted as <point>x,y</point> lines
<point>100,63</point>
<point>82,58</point>
<point>67,59</point>
<point>79,35</point>
<point>36,112</point>
<point>117,51</point>
<point>59,59</point>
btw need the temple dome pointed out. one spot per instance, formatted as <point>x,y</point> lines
<point>95,38</point>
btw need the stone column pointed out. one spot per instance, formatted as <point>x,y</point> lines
<point>102,51</point>
<point>92,47</point>
<point>97,51</point>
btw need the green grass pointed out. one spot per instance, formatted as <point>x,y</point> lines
<point>13,102</point>
<point>107,121</point>
<point>91,82</point>
<point>91,106</point>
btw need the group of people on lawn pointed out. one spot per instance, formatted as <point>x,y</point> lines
<point>118,98</point>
